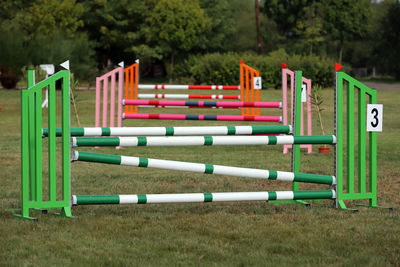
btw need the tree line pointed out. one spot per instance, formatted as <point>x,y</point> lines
<point>95,34</point>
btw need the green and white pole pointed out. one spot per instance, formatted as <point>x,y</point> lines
<point>203,168</point>
<point>170,131</point>
<point>202,140</point>
<point>201,197</point>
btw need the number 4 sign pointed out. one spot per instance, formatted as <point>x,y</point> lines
<point>257,83</point>
<point>374,117</point>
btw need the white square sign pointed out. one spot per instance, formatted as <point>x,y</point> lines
<point>257,83</point>
<point>304,92</point>
<point>374,117</point>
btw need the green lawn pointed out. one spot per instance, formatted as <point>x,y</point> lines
<point>256,233</point>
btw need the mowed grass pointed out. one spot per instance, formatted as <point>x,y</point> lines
<point>241,233</point>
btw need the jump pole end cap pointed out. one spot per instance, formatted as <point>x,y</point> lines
<point>284,65</point>
<point>65,65</point>
<point>337,67</point>
<point>75,156</point>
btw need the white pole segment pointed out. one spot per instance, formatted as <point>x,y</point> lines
<point>241,172</point>
<point>283,195</point>
<point>128,199</point>
<point>174,198</point>
<point>240,196</point>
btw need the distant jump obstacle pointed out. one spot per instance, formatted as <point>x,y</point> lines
<point>249,95</point>
<point>32,132</point>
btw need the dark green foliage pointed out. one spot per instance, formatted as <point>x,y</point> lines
<point>389,46</point>
<point>115,27</point>
<point>286,13</point>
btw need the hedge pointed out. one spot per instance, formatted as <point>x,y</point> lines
<point>217,68</point>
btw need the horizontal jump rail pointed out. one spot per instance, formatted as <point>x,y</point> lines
<point>200,117</point>
<point>187,87</point>
<point>202,140</point>
<point>177,131</point>
<point>177,103</point>
<point>153,106</point>
<point>201,197</point>
<point>183,96</point>
<point>203,168</point>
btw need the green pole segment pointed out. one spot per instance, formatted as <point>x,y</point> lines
<point>200,197</point>
<point>203,168</point>
<point>31,146</point>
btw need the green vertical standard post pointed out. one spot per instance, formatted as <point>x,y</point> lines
<point>66,157</point>
<point>52,141</point>
<point>362,193</point>
<point>373,160</point>
<point>350,138</point>
<point>339,137</point>
<point>38,144</point>
<point>297,124</point>
<point>30,117</point>
<point>362,141</point>
<point>31,146</point>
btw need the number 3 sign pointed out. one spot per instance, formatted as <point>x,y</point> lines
<point>374,117</point>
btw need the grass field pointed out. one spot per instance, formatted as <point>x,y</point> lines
<point>236,234</point>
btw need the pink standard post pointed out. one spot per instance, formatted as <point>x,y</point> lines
<point>120,86</point>
<point>97,108</point>
<point>286,72</point>
<point>112,101</point>
<point>102,89</point>
<point>105,101</point>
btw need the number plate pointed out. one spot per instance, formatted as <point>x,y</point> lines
<point>374,117</point>
<point>257,83</point>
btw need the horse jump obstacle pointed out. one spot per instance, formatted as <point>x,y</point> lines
<point>31,150</point>
<point>250,105</point>
<point>247,75</point>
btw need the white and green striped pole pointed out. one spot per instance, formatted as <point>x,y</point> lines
<point>202,140</point>
<point>201,197</point>
<point>170,131</point>
<point>203,168</point>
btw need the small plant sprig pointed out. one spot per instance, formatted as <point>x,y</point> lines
<point>317,100</point>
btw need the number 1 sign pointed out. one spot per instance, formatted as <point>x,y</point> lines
<point>374,117</point>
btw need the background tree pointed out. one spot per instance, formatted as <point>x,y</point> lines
<point>176,26</point>
<point>114,26</point>
<point>345,20</point>
<point>310,29</point>
<point>220,30</point>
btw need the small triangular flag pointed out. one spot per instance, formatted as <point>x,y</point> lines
<point>337,67</point>
<point>137,61</point>
<point>121,64</point>
<point>65,65</point>
<point>284,65</point>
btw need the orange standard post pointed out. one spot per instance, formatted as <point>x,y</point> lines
<point>241,84</point>
<point>126,72</point>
